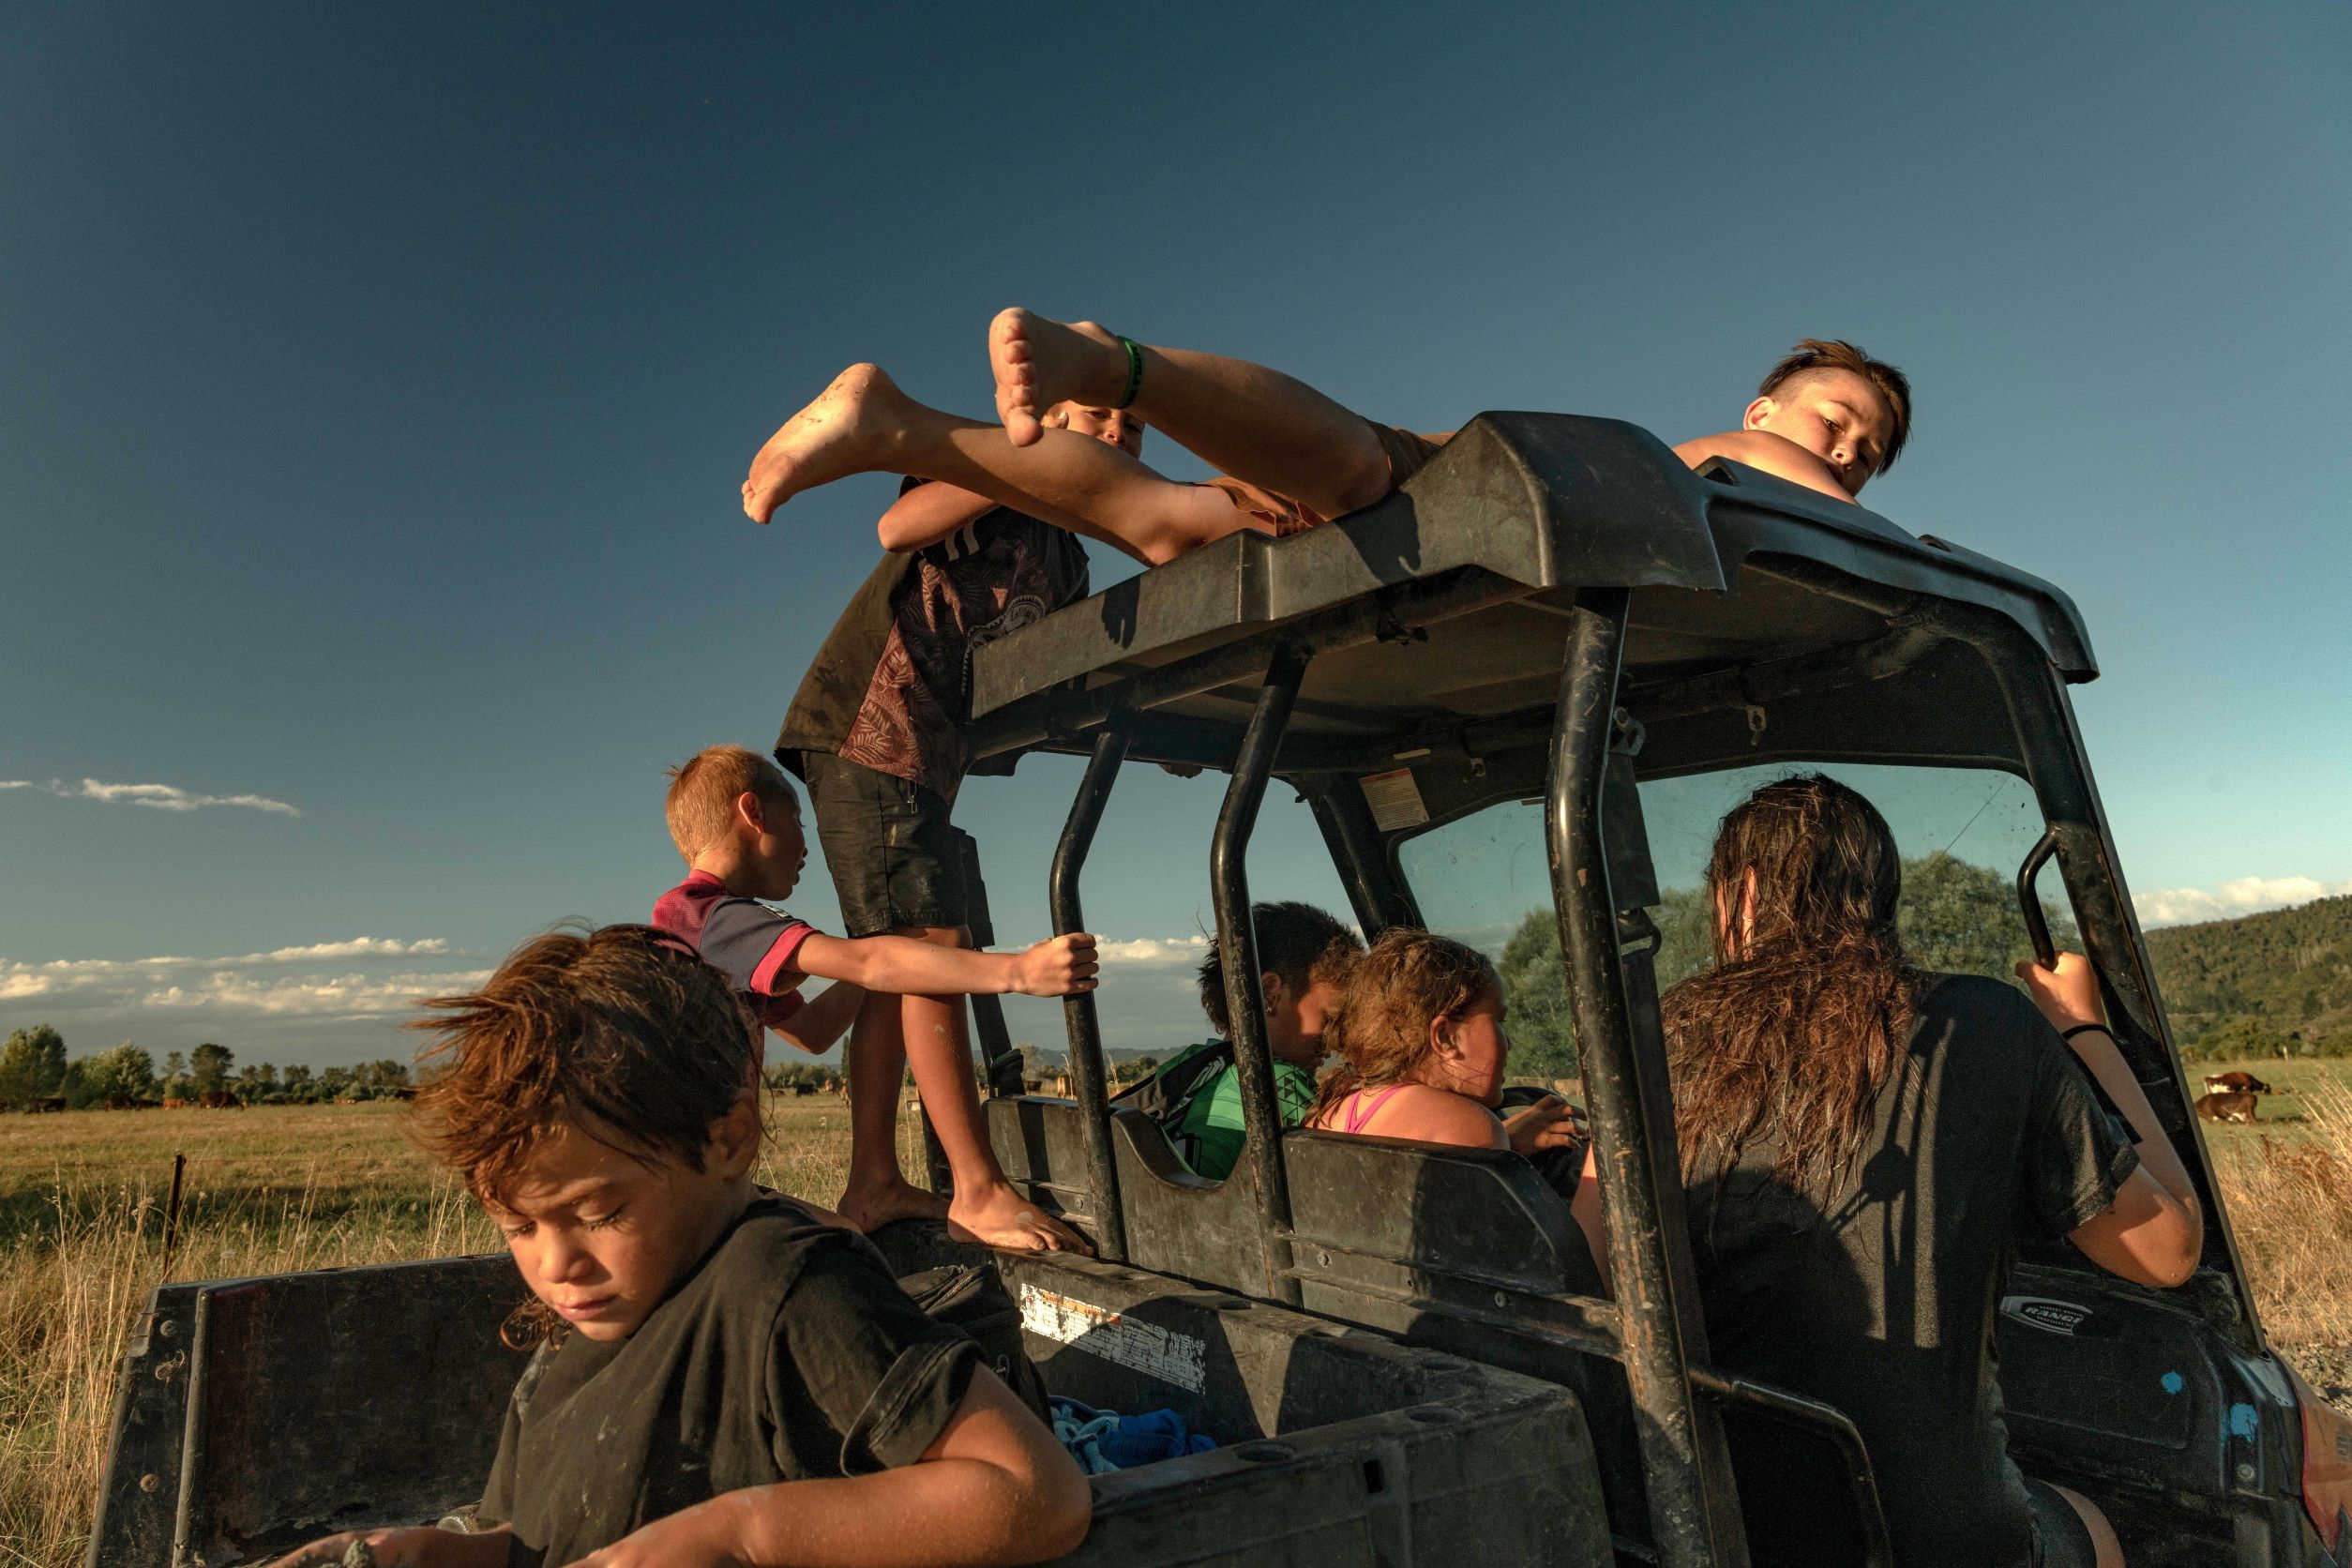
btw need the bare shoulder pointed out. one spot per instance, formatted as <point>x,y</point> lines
<point>1439,1116</point>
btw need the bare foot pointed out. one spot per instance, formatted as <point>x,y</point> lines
<point>998,1217</point>
<point>870,1206</point>
<point>1039,362</point>
<point>851,428</point>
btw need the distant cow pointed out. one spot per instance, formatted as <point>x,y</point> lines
<point>121,1102</point>
<point>2238,1106</point>
<point>804,1087</point>
<point>2236,1083</point>
<point>175,1105</point>
<point>34,1107</point>
<point>217,1099</point>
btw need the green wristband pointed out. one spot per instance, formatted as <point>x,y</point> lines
<point>1135,372</point>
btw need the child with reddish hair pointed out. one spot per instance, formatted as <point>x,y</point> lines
<point>722,1375</point>
<point>1422,1052</point>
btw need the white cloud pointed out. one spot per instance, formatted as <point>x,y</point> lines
<point>159,797</point>
<point>1152,951</point>
<point>139,982</point>
<point>334,996</point>
<point>2179,906</point>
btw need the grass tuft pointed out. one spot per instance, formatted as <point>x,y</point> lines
<point>280,1189</point>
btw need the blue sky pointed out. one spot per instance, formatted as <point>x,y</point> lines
<point>379,379</point>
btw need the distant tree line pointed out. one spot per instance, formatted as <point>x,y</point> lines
<point>35,1070</point>
<point>1956,918</point>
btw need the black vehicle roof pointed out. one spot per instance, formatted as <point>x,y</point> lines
<point>1730,569</point>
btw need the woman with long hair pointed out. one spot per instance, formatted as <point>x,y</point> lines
<point>1422,1052</point>
<point>1863,1144</point>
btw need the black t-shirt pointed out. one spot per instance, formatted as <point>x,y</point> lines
<point>788,1354</point>
<point>891,687</point>
<point>1987,1131</point>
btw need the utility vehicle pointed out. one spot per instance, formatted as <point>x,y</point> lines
<point>1530,681</point>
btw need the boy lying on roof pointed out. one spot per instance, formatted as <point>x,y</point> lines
<point>1828,416</point>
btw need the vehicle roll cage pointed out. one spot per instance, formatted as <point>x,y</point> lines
<point>1083,687</point>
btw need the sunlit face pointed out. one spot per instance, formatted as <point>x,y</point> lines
<point>1114,427</point>
<point>601,1238</point>
<point>1836,415</point>
<point>1295,1020</point>
<point>1473,1049</point>
<point>779,851</point>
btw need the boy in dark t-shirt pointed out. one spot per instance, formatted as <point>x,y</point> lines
<point>877,731</point>
<point>722,1376</point>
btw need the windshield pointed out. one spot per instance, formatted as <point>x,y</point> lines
<point>1484,879</point>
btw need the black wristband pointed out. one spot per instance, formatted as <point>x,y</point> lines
<point>2084,1028</point>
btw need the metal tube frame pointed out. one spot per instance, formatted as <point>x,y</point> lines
<point>1237,951</point>
<point>1694,1511</point>
<point>1080,1020</point>
<point>2058,768</point>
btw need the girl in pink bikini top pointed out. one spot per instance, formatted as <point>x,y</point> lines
<point>1422,1046</point>
<point>1422,1053</point>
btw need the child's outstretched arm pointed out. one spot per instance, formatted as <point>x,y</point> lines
<point>926,514</point>
<point>994,1487</point>
<point>815,1024</point>
<point>420,1547</point>
<point>912,968</point>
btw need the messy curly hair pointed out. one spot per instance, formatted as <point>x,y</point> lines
<point>618,1033</point>
<point>1407,981</point>
<point>1303,944</point>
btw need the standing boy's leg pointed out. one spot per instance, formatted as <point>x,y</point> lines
<point>864,424</point>
<point>1256,424</point>
<point>898,869</point>
<point>878,1191</point>
<point>939,1048</point>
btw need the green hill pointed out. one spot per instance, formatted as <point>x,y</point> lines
<point>2284,972</point>
<point>2258,985</point>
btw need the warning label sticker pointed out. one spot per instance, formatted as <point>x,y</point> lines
<point>1146,1348</point>
<point>1394,800</point>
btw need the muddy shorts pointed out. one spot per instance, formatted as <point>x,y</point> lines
<point>895,859</point>
<point>2061,1540</point>
<point>1407,454</point>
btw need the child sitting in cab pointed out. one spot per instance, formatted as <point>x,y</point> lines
<point>721,1376</point>
<point>1421,1055</point>
<point>1196,1095</point>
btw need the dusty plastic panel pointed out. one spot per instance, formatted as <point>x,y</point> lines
<point>255,1414</point>
<point>1544,499</point>
<point>2120,1393</point>
<point>244,1404</point>
<point>1338,1444</point>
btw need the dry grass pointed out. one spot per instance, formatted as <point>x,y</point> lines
<point>2288,1189</point>
<point>280,1189</point>
<point>271,1190</point>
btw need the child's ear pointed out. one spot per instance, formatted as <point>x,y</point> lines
<point>750,813</point>
<point>735,1144</point>
<point>1757,412</point>
<point>1441,1036</point>
<point>1270,986</point>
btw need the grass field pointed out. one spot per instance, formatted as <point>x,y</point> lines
<point>276,1189</point>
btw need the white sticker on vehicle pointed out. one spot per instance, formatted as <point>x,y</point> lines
<point>1146,1348</point>
<point>1394,800</point>
<point>2056,1317</point>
